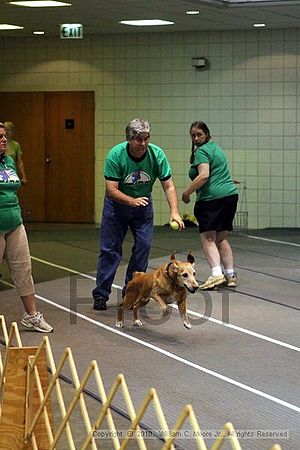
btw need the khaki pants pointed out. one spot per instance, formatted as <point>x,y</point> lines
<point>14,248</point>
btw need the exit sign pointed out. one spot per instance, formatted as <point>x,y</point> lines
<point>71,31</point>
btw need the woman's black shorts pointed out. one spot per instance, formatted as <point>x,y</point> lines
<point>216,215</point>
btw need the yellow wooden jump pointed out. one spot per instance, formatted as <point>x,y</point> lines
<point>28,380</point>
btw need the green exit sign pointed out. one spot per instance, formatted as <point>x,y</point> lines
<point>71,31</point>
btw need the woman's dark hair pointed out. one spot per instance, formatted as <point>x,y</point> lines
<point>205,129</point>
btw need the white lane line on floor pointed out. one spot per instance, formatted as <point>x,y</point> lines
<point>176,357</point>
<point>169,354</point>
<point>242,330</point>
<point>192,313</point>
<point>66,269</point>
<point>273,240</point>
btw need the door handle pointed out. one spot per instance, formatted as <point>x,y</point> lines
<point>48,160</point>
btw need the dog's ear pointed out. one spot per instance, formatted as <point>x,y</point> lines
<point>175,267</point>
<point>172,257</point>
<point>190,257</point>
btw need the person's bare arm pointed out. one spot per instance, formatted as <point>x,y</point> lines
<point>197,183</point>
<point>172,198</point>
<point>21,169</point>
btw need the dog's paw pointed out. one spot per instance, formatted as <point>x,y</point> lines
<point>138,323</point>
<point>187,324</point>
<point>119,324</point>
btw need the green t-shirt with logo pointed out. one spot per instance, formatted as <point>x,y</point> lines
<point>136,176</point>
<point>219,183</point>
<point>10,211</point>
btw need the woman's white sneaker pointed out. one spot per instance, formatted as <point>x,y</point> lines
<point>36,322</point>
<point>212,282</point>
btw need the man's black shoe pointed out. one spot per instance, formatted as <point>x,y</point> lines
<point>100,304</point>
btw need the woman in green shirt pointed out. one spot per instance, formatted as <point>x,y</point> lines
<point>216,203</point>
<point>13,240</point>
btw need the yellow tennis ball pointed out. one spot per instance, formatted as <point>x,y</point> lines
<point>174,225</point>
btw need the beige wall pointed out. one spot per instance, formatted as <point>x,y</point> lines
<point>249,97</point>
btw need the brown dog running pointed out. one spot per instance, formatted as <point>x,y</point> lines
<point>168,283</point>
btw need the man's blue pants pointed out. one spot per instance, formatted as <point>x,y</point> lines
<point>116,220</point>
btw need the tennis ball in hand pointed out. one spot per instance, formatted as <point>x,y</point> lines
<point>174,225</point>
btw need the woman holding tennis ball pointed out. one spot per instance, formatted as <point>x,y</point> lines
<point>216,203</point>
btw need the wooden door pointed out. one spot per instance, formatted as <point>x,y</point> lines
<point>26,111</point>
<point>58,159</point>
<point>69,156</point>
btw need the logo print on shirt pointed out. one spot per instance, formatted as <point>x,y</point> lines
<point>8,176</point>
<point>137,177</point>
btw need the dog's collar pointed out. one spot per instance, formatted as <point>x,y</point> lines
<point>167,273</point>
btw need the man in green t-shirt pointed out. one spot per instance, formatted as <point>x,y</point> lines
<point>130,170</point>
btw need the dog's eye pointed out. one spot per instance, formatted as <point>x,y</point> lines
<point>185,275</point>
